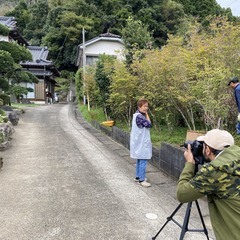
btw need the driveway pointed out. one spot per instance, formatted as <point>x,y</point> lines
<point>63,181</point>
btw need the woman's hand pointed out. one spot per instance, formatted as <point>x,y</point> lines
<point>147,117</point>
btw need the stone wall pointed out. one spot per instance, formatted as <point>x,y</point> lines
<point>166,158</point>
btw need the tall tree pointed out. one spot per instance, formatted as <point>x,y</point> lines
<point>22,15</point>
<point>34,30</point>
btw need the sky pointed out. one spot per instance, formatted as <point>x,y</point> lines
<point>233,4</point>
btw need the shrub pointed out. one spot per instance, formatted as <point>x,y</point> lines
<point>5,99</point>
<point>3,117</point>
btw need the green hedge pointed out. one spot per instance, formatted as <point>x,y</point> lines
<point>5,99</point>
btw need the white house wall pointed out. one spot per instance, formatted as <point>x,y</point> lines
<point>4,38</point>
<point>31,94</point>
<point>28,85</point>
<point>107,47</point>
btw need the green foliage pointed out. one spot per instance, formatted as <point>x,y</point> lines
<point>104,71</point>
<point>4,31</point>
<point>5,99</point>
<point>19,76</point>
<point>18,91</point>
<point>64,83</point>
<point>123,91</point>
<point>136,36</point>
<point>18,53</point>
<point>34,30</point>
<point>3,119</point>
<point>4,84</point>
<point>185,82</point>
<point>96,114</point>
<point>91,89</point>
<point>79,85</point>
<point>21,13</point>
<point>201,8</point>
<point>7,62</point>
<point>58,24</point>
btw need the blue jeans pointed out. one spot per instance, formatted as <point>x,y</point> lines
<point>141,166</point>
<point>238,128</point>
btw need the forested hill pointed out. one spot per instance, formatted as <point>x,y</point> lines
<point>58,24</point>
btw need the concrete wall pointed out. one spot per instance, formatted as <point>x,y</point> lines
<point>166,158</point>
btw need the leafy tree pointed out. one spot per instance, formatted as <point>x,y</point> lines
<point>124,90</point>
<point>34,30</point>
<point>63,37</point>
<point>21,14</point>
<point>190,75</point>
<point>200,8</point>
<point>136,37</point>
<point>65,81</point>
<point>4,31</point>
<point>18,91</point>
<point>79,85</point>
<point>7,62</point>
<point>12,72</point>
<point>104,71</point>
<point>91,90</point>
<point>4,84</point>
<point>18,53</point>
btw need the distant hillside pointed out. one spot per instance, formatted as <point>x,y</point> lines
<point>7,5</point>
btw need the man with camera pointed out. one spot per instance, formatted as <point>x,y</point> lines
<point>218,179</point>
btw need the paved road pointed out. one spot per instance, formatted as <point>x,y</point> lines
<point>62,181</point>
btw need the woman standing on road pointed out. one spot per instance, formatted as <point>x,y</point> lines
<point>140,141</point>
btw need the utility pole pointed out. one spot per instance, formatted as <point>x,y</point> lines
<point>84,66</point>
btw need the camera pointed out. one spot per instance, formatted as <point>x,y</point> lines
<point>197,150</point>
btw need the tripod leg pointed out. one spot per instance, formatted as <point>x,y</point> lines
<point>168,219</point>
<point>186,221</point>
<point>201,217</point>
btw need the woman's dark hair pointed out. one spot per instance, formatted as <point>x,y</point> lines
<point>141,102</point>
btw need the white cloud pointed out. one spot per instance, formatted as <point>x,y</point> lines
<point>233,4</point>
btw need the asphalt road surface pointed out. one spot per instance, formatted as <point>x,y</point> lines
<point>61,181</point>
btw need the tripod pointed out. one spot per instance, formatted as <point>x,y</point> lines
<point>187,216</point>
<point>185,222</point>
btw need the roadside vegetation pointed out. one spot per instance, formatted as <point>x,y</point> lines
<point>176,137</point>
<point>185,82</point>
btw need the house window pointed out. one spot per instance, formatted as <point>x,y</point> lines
<point>91,60</point>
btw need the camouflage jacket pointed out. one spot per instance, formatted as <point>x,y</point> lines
<point>220,182</point>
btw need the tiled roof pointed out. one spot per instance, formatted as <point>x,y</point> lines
<point>39,55</point>
<point>8,22</point>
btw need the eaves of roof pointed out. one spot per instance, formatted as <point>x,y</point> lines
<point>8,22</point>
<point>38,63</point>
<point>39,72</point>
<point>87,43</point>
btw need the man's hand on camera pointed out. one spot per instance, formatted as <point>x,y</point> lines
<point>188,155</point>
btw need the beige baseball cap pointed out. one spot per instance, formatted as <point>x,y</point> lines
<point>217,139</point>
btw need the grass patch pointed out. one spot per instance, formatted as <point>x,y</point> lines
<point>95,114</point>
<point>175,137</point>
<point>20,105</point>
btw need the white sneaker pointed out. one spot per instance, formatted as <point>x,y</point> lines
<point>145,184</point>
<point>137,179</point>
